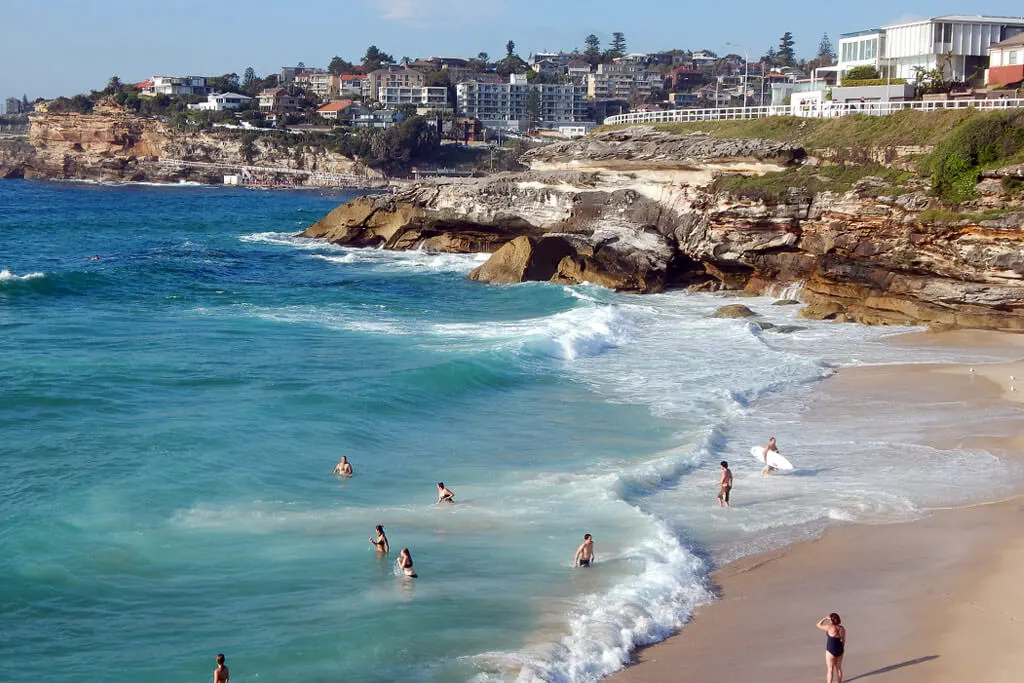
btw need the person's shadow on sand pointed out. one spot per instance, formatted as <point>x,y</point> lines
<point>893,667</point>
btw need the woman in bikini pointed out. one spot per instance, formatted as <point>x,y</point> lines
<point>405,563</point>
<point>381,541</point>
<point>835,647</point>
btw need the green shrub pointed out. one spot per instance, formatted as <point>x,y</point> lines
<point>856,83</point>
<point>860,73</point>
<point>980,141</point>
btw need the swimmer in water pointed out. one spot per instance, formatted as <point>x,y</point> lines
<point>405,563</point>
<point>585,553</point>
<point>381,541</point>
<point>443,494</point>
<point>343,468</point>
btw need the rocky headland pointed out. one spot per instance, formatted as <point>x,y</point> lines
<point>641,210</point>
<point>111,144</point>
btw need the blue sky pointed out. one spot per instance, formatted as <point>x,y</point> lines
<point>62,47</point>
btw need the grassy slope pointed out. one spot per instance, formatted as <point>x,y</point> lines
<point>903,128</point>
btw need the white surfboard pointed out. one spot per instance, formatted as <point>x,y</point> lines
<point>774,459</point>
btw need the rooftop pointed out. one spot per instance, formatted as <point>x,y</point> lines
<point>1009,42</point>
<point>336,105</point>
<point>963,19</point>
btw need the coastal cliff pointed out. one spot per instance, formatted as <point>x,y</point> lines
<point>111,144</point>
<point>642,210</point>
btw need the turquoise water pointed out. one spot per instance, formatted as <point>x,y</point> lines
<point>171,413</point>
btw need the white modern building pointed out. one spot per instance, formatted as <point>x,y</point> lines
<point>176,85</point>
<point>425,98</point>
<point>504,105</point>
<point>221,102</point>
<point>622,81</point>
<point>958,43</point>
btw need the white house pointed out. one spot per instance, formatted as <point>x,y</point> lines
<point>504,105</point>
<point>221,101</point>
<point>176,85</point>
<point>958,43</point>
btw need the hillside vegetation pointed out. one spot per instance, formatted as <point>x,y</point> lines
<point>962,143</point>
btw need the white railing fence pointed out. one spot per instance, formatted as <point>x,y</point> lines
<point>825,110</point>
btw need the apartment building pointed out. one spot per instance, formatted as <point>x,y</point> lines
<point>504,105</point>
<point>390,77</point>
<point>322,84</point>
<point>425,99</point>
<point>351,85</point>
<point>958,43</point>
<point>622,81</point>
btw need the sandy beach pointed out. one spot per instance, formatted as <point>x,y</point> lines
<point>937,599</point>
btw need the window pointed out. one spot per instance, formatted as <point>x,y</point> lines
<point>1013,56</point>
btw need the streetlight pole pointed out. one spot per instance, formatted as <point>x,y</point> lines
<point>746,67</point>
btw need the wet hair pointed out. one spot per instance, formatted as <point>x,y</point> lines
<point>835,619</point>
<point>220,659</point>
<point>724,463</point>
<point>380,529</point>
<point>405,551</point>
<point>586,537</point>
<point>440,484</point>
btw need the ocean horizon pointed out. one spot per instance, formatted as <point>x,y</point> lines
<point>181,373</point>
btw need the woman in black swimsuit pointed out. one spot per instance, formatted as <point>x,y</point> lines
<point>835,647</point>
<point>405,563</point>
<point>381,541</point>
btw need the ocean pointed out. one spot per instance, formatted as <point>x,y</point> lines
<point>180,375</point>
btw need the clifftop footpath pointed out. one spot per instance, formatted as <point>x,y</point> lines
<point>641,210</point>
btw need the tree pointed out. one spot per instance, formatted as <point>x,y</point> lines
<point>619,43</point>
<point>826,53</point>
<point>785,55</point>
<point>375,58</point>
<point>300,66</point>
<point>249,77</point>
<point>510,48</point>
<point>592,52</point>
<point>404,61</point>
<point>483,58</point>
<point>338,66</point>
<point>770,57</point>
<point>532,108</point>
<point>113,85</point>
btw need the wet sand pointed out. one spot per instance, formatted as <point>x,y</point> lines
<point>935,600</point>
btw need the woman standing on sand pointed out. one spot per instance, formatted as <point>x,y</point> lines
<point>835,647</point>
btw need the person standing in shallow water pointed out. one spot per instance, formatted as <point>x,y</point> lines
<point>585,553</point>
<point>771,447</point>
<point>726,483</point>
<point>343,468</point>
<point>220,674</point>
<point>443,494</point>
<point>405,563</point>
<point>835,647</point>
<point>381,541</point>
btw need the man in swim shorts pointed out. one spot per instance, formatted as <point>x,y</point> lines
<point>585,553</point>
<point>726,484</point>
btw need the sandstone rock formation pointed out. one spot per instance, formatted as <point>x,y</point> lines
<point>113,145</point>
<point>636,210</point>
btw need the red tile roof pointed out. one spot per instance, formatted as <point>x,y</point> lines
<point>336,105</point>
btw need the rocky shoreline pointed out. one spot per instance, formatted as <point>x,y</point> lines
<point>637,210</point>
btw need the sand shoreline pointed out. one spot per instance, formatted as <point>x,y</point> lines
<point>934,599</point>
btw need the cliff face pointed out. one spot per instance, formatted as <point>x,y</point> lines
<point>112,145</point>
<point>637,211</point>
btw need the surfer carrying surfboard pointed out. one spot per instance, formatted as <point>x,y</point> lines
<point>770,447</point>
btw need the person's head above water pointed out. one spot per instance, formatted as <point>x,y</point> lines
<point>724,463</point>
<point>380,529</point>
<point>220,659</point>
<point>440,484</point>
<point>834,618</point>
<point>586,537</point>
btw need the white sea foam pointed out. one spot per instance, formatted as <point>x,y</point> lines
<point>8,276</point>
<point>409,261</point>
